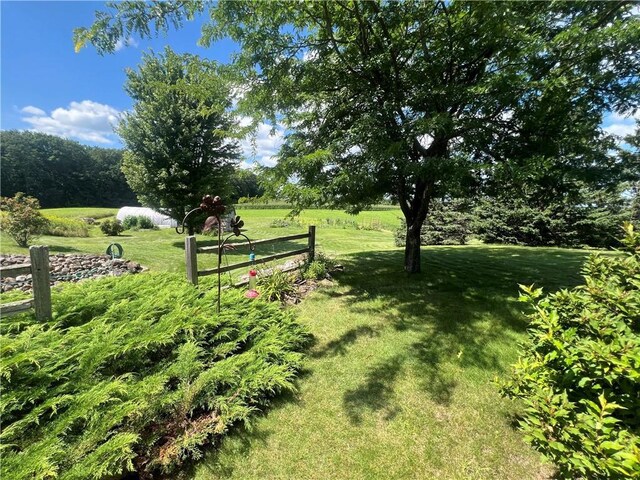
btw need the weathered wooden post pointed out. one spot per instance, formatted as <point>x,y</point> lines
<point>190,252</point>
<point>312,242</point>
<point>40,280</point>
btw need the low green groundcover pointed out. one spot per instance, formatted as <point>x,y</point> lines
<point>136,374</point>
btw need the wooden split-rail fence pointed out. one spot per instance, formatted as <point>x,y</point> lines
<point>191,253</point>
<point>38,268</point>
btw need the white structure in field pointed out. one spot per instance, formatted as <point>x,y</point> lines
<point>157,218</point>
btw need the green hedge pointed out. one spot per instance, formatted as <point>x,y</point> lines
<point>579,374</point>
<point>137,373</point>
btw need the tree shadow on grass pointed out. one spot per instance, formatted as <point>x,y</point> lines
<point>463,310</point>
<point>340,346</point>
<point>375,393</point>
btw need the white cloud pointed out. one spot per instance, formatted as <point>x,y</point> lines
<point>621,124</point>
<point>85,121</point>
<point>262,146</point>
<point>31,110</point>
<point>122,43</point>
<point>620,129</point>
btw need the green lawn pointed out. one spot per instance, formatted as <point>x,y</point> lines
<point>400,380</point>
<point>399,383</point>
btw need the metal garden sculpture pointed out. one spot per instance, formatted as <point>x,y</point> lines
<point>215,208</point>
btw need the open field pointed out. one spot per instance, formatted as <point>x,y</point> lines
<point>163,250</point>
<point>399,382</point>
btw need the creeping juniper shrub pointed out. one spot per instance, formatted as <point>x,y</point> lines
<point>137,373</point>
<point>579,374</point>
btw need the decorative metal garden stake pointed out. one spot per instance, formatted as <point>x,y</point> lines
<point>214,207</point>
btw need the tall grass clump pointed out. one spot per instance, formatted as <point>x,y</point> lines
<point>65,227</point>
<point>136,373</point>
<point>579,375</point>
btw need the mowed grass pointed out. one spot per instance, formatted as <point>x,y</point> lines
<point>80,212</point>
<point>400,381</point>
<point>163,250</point>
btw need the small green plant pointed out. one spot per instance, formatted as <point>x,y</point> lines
<point>21,218</point>
<point>579,375</point>
<point>315,270</point>
<point>137,222</point>
<point>328,262</point>
<point>276,286</point>
<point>111,227</point>
<point>65,227</point>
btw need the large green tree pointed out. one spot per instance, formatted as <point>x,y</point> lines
<point>179,135</point>
<point>415,100</point>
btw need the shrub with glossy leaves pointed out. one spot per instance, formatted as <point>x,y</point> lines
<point>579,375</point>
<point>21,218</point>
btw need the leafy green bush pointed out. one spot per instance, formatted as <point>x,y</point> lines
<point>579,375</point>
<point>137,222</point>
<point>111,227</point>
<point>65,227</point>
<point>315,270</point>
<point>276,286</point>
<point>137,373</point>
<point>448,223</point>
<point>21,218</point>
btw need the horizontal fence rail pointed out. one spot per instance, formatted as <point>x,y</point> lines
<point>13,270</point>
<point>38,268</point>
<point>191,251</point>
<point>214,249</point>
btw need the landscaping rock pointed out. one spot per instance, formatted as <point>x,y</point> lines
<point>68,268</point>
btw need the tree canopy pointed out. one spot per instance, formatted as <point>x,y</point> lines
<point>62,173</point>
<point>419,100</point>
<point>180,134</point>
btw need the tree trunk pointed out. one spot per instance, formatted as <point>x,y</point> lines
<point>412,248</point>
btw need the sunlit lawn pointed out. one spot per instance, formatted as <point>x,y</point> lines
<point>399,383</point>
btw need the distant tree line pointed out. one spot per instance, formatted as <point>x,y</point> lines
<point>62,173</point>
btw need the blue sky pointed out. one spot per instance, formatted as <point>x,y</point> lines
<point>48,87</point>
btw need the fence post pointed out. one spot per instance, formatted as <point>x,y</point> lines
<point>190,252</point>
<point>312,242</point>
<point>40,280</point>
